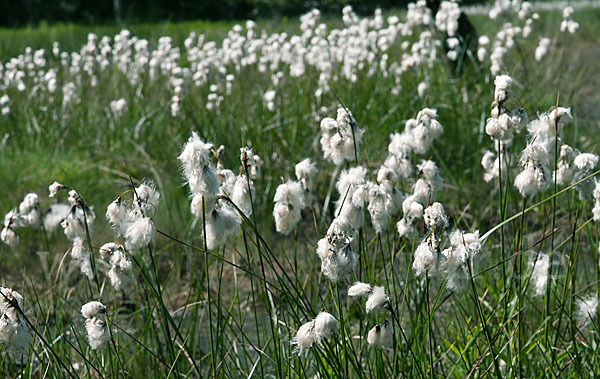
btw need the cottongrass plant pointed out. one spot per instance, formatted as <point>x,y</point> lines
<point>213,273</point>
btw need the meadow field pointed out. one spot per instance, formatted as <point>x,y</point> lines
<point>336,196</point>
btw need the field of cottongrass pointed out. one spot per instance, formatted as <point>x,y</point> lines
<point>354,197</point>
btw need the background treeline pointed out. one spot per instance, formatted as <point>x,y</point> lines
<point>32,12</point>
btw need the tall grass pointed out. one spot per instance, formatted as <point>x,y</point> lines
<point>233,311</point>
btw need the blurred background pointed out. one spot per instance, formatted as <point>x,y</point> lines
<point>15,13</point>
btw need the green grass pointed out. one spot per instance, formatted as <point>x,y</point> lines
<point>233,312</point>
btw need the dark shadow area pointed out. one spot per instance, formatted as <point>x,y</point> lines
<point>17,13</point>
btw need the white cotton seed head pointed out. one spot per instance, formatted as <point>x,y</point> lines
<point>539,276</point>
<point>289,192</point>
<point>78,251</point>
<point>585,162</point>
<point>286,217</point>
<point>195,154</point>
<point>305,337</point>
<point>359,289</point>
<point>352,209</point>
<point>7,329</point>
<point>74,224</point>
<point>9,237</point>
<point>93,309</point>
<point>204,181</point>
<point>202,206</point>
<point>425,258</point>
<point>381,335</point>
<point>380,206</point>
<point>74,198</point>
<point>386,177</point>
<point>350,180</point>
<point>401,144</point>
<point>9,295</point>
<point>435,217</point>
<point>107,249</point>
<point>412,209</point>
<point>242,194</point>
<point>227,181</point>
<point>430,172</point>
<point>377,300</point>
<point>323,248</point>
<point>586,309</point>
<point>30,201</point>
<point>532,180</point>
<point>402,167</point>
<point>117,278</point>
<point>464,245</point>
<point>340,233</point>
<point>405,228</point>
<point>305,169</point>
<point>339,265</point>
<point>503,89</point>
<point>115,212</point>
<point>289,202</point>
<point>54,216</point>
<point>325,325</point>
<point>220,225</point>
<point>97,333</point>
<point>148,196</point>
<point>139,234</point>
<point>340,138</point>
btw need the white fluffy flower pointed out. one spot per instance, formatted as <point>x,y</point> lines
<point>220,225</point>
<point>195,155</point>
<point>289,202</point>
<point>359,289</point>
<point>465,245</point>
<point>381,335</point>
<point>491,164</point>
<point>564,171</point>
<point>340,233</point>
<point>81,255</point>
<point>503,90</point>
<point>305,337</point>
<point>377,299</point>
<point>321,327</point>
<point>242,194</point>
<point>379,207</point>
<point>340,138</point>
<point>325,325</point>
<point>9,237</point>
<point>532,180</point>
<point>339,264</point>
<point>95,324</point>
<point>586,309</point>
<point>74,225</point>
<point>542,49</point>
<point>596,209</point>
<point>30,201</point>
<point>435,216</point>
<point>139,234</point>
<point>148,196</point>
<point>305,172</point>
<point>425,258</point>
<point>539,276</point>
<point>54,188</point>
<point>14,333</point>
<point>120,271</point>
